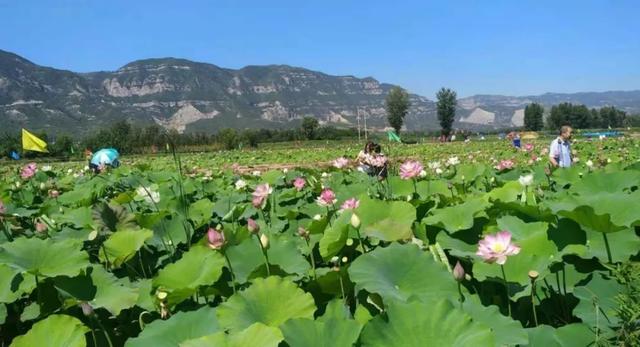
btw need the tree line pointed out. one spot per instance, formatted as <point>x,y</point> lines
<point>132,138</point>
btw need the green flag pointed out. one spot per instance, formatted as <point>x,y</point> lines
<point>393,136</point>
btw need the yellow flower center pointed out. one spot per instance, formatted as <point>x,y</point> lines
<point>498,247</point>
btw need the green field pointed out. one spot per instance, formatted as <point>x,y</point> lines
<point>163,251</point>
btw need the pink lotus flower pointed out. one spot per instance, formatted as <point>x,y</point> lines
<point>410,169</point>
<point>350,204</point>
<point>528,147</point>
<point>341,162</point>
<point>378,160</point>
<point>505,165</point>
<point>496,248</point>
<point>260,195</point>
<point>215,238</point>
<point>253,227</point>
<point>54,193</point>
<point>28,171</point>
<point>327,198</point>
<point>299,183</point>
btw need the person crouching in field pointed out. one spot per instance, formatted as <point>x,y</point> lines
<point>560,149</point>
<point>372,161</point>
<point>106,157</point>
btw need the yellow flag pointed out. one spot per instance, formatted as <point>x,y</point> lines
<point>31,142</point>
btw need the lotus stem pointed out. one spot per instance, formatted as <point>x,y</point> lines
<point>606,244</point>
<point>461,295</point>
<point>360,240</point>
<point>506,286</point>
<point>233,276</point>
<point>313,261</point>
<point>264,254</point>
<point>104,331</point>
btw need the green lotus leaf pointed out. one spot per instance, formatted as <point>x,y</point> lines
<point>199,266</point>
<point>181,327</point>
<point>200,212</point>
<point>509,192</point>
<point>45,257</point>
<point>81,217</point>
<point>537,252</point>
<point>508,332</point>
<point>257,334</point>
<point>334,328</point>
<point>271,301</point>
<point>469,172</point>
<point>597,306</point>
<point>572,335</point>
<point>112,293</point>
<point>113,217</point>
<point>122,245</point>
<point>400,272</point>
<point>603,212</point>
<point>623,245</point>
<point>458,217</point>
<point>245,258</point>
<point>386,220</point>
<point>566,176</point>
<point>56,330</point>
<point>12,288</point>
<point>3,313</point>
<point>335,237</point>
<point>608,182</point>
<point>437,323</point>
<point>429,188</point>
<point>283,251</point>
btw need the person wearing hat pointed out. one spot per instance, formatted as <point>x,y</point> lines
<point>106,157</point>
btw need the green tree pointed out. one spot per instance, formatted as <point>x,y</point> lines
<point>309,127</point>
<point>559,115</point>
<point>229,138</point>
<point>446,109</point>
<point>397,105</point>
<point>612,117</point>
<point>533,115</point>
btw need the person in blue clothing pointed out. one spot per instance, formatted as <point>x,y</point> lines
<point>560,149</point>
<point>106,157</point>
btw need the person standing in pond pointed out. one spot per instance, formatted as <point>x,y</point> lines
<point>560,149</point>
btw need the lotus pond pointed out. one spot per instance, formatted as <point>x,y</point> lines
<point>462,245</point>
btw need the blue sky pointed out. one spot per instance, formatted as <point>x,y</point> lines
<point>474,47</point>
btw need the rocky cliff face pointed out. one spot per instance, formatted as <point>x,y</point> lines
<point>189,96</point>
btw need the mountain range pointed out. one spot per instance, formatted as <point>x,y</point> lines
<point>199,97</point>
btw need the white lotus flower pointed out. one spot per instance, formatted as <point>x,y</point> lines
<point>256,173</point>
<point>589,163</point>
<point>148,194</point>
<point>423,174</point>
<point>240,184</point>
<point>453,161</point>
<point>46,168</point>
<point>526,180</point>
<point>439,171</point>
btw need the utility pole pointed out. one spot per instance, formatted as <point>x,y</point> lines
<point>366,135</point>
<point>358,120</point>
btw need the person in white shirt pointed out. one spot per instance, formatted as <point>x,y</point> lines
<point>560,149</point>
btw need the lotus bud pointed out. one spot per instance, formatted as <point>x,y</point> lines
<point>335,259</point>
<point>253,227</point>
<point>215,238</point>
<point>41,227</point>
<point>42,186</point>
<point>264,241</point>
<point>349,242</point>
<point>533,275</point>
<point>87,310</point>
<point>449,185</point>
<point>54,193</point>
<point>355,221</point>
<point>458,272</point>
<point>304,233</point>
<point>345,259</point>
